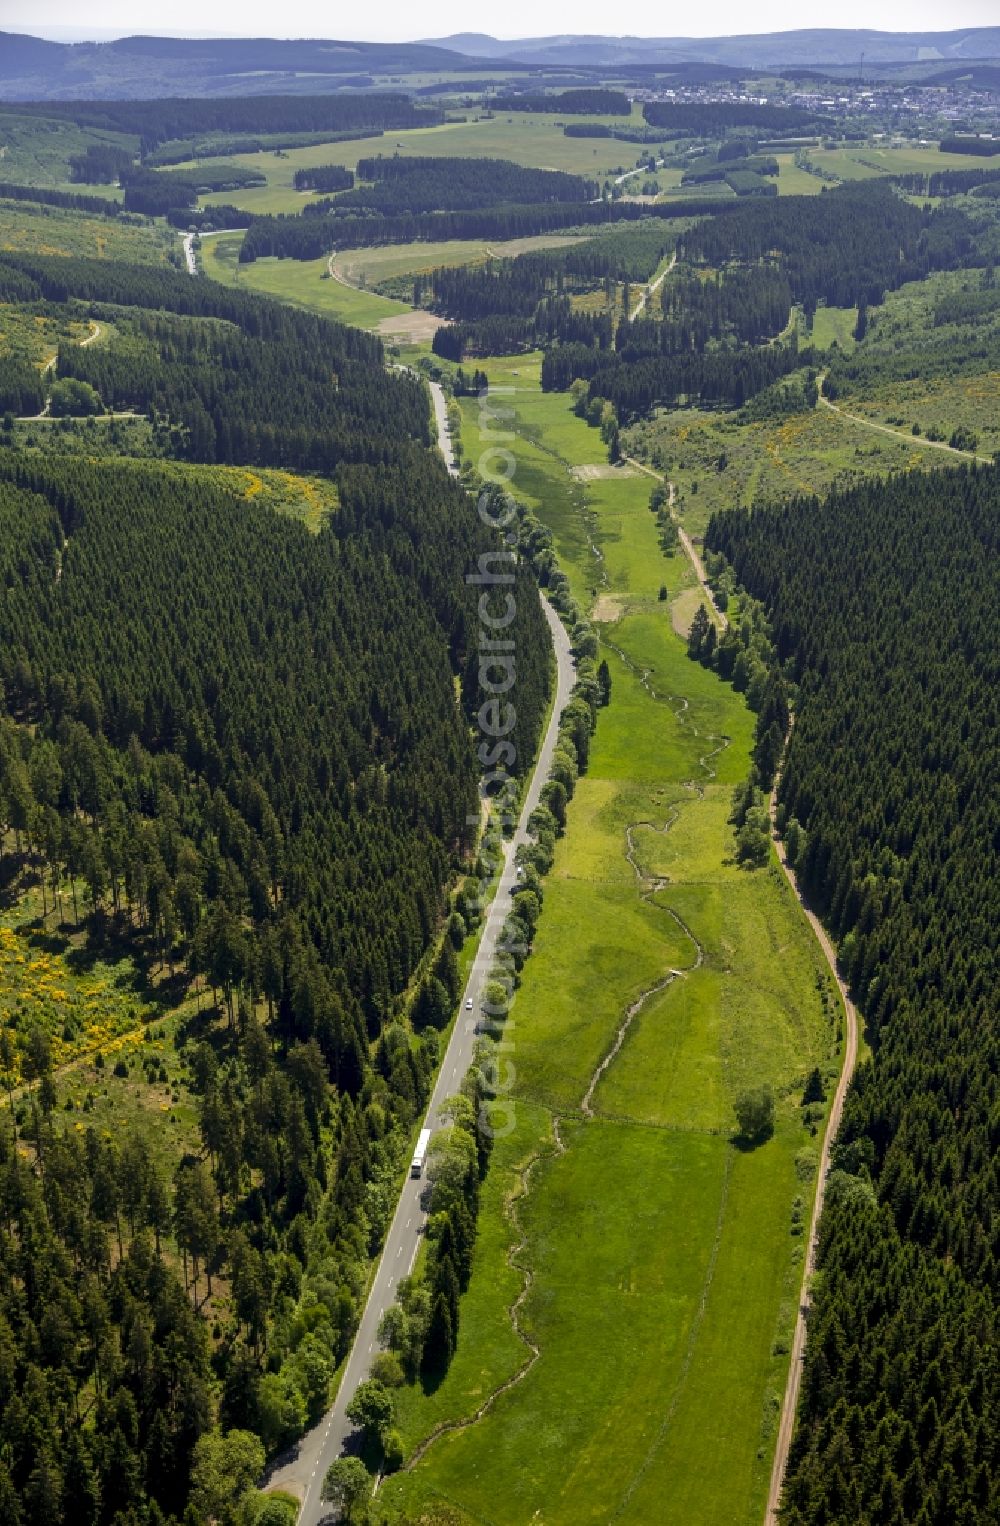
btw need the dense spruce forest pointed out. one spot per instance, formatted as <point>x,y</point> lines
<point>308,238</point>
<point>245,751</point>
<point>154,123</point>
<point>418,184</point>
<point>844,246</point>
<point>676,119</point>
<point>241,379</point>
<point>587,101</point>
<point>885,605</point>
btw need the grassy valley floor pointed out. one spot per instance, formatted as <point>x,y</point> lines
<point>637,1271</point>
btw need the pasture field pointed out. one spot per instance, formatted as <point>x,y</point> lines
<point>537,141</point>
<point>793,181</point>
<point>663,1259</point>
<point>388,261</point>
<point>832,325</point>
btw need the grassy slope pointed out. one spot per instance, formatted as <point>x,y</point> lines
<point>304,282</point>
<point>663,1268</point>
<point>781,458</point>
<point>52,230</point>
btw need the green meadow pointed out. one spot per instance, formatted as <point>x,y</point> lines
<point>306,283</point>
<point>534,140</point>
<point>654,1262</point>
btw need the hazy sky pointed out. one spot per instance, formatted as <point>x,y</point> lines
<point>512,18</point>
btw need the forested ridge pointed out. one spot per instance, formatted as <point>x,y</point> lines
<point>159,121</point>
<point>244,379</point>
<point>885,607</point>
<point>246,751</point>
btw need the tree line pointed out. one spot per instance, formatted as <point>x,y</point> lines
<point>724,377</point>
<point>419,184</point>
<point>884,603</point>
<point>324,177</point>
<point>157,192</point>
<point>158,121</point>
<point>587,100</point>
<point>93,206</point>
<point>307,238</point>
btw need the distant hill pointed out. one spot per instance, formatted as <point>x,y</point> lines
<point>821,47</point>
<point>137,67</point>
<point>131,68</point>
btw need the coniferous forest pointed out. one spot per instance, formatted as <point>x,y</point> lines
<point>885,605</point>
<point>249,750</point>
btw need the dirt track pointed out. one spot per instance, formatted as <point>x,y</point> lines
<point>790,1403</point>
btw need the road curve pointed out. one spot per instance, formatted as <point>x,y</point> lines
<point>790,1403</point>
<point>304,1472</point>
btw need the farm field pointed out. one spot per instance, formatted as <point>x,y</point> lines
<point>865,161</point>
<point>663,1260</point>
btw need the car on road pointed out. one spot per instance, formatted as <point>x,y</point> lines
<point>468,1004</point>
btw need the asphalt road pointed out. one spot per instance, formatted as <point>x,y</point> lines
<point>304,1472</point>
<point>444,433</point>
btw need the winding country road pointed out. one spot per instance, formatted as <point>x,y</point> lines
<point>303,1473</point>
<point>787,1423</point>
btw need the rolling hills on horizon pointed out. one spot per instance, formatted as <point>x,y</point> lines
<point>35,68</point>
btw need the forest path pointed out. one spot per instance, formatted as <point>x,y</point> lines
<point>897,434</point>
<point>653,286</point>
<point>686,542</point>
<point>786,1426</point>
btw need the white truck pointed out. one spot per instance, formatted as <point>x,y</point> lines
<point>420,1153</point>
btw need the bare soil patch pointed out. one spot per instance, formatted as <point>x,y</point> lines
<point>600,472</point>
<point>684,608</point>
<point>415,326</point>
<point>606,609</point>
